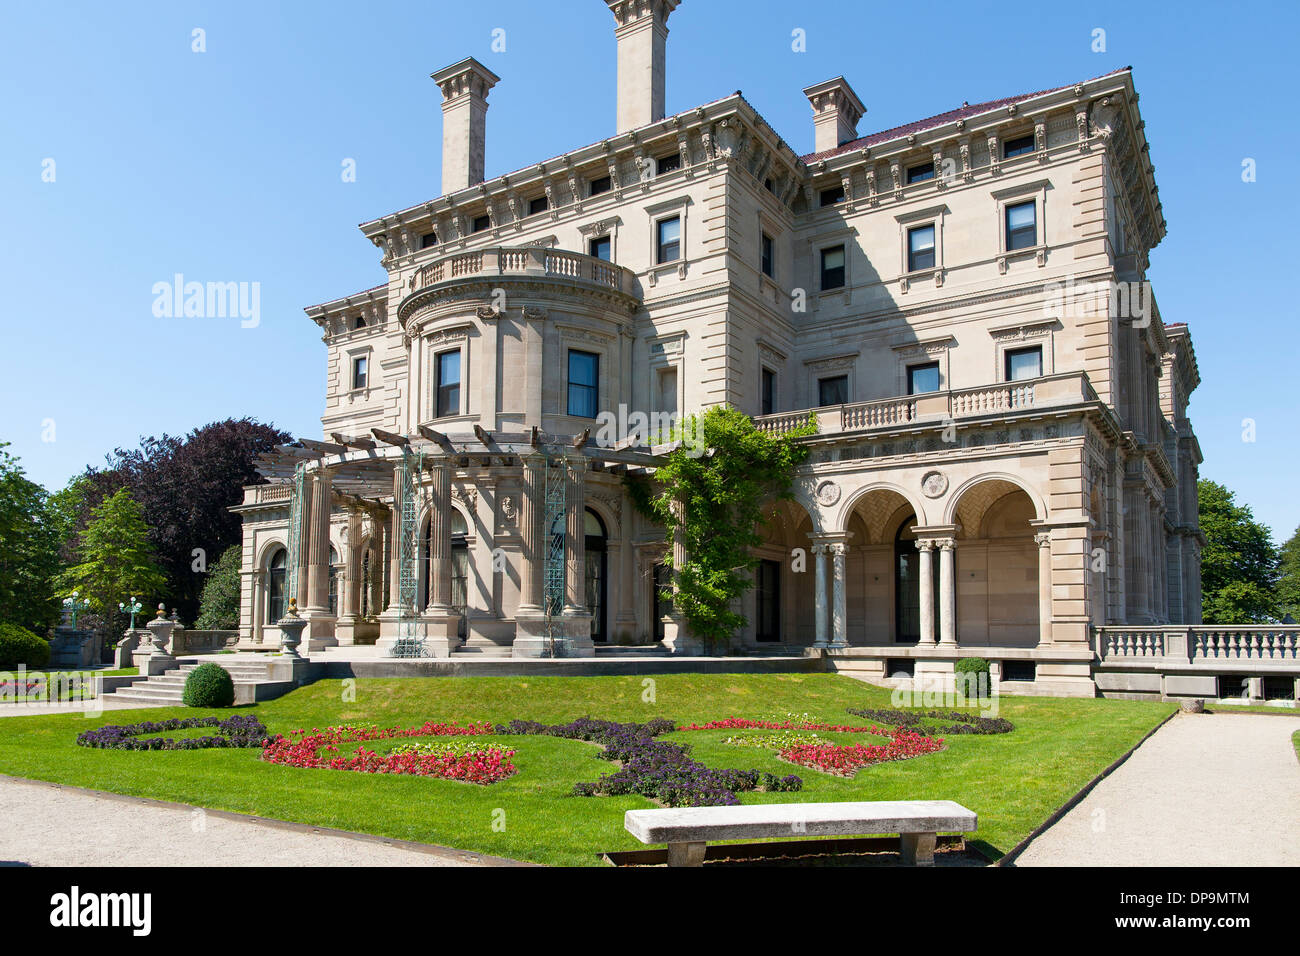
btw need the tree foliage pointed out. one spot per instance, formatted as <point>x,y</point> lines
<point>115,559</point>
<point>1288,588</point>
<point>28,550</point>
<point>1239,565</point>
<point>219,610</point>
<point>721,494</point>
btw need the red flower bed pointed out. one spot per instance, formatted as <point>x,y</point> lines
<point>845,761</point>
<point>486,764</point>
<point>744,723</point>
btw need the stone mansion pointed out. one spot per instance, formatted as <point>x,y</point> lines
<point>1003,460</point>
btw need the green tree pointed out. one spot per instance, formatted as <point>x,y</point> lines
<point>219,609</point>
<point>29,550</point>
<point>722,475</point>
<point>1288,588</point>
<point>116,560</point>
<point>1239,564</point>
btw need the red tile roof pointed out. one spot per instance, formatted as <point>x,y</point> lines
<point>962,112</point>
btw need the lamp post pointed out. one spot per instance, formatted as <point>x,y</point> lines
<point>134,608</point>
<point>75,605</point>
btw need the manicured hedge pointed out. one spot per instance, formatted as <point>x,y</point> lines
<point>209,685</point>
<point>20,646</point>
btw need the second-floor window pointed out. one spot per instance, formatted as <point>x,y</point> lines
<point>832,268</point>
<point>584,383</point>
<point>360,371</point>
<point>668,241</point>
<point>1024,363</point>
<point>765,255</point>
<point>833,390</point>
<point>1022,226</point>
<point>600,248</point>
<point>923,378</point>
<point>920,248</point>
<point>447,396</point>
<point>768,391</point>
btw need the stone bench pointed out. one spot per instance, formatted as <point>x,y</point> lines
<point>687,830</point>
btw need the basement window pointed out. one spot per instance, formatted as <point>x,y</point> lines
<point>900,667</point>
<point>1019,670</point>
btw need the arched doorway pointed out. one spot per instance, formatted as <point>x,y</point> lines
<point>334,582</point>
<point>276,584</point>
<point>597,583</point>
<point>997,571</point>
<point>907,585</point>
<point>459,567</point>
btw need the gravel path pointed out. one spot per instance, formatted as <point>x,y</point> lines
<point>48,825</point>
<point>1204,790</point>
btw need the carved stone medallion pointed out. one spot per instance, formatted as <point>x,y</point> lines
<point>827,493</point>
<point>934,484</point>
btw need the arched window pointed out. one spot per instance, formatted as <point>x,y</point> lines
<point>907,585</point>
<point>334,581</point>
<point>276,582</point>
<point>597,573</point>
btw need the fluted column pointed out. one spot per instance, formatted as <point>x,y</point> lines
<point>302,585</point>
<point>947,593</point>
<point>395,543</point>
<point>926,565</point>
<point>839,615</point>
<point>318,568</point>
<point>575,536</point>
<point>532,509</point>
<point>378,559</point>
<point>819,593</point>
<point>679,543</point>
<point>440,536</point>
<point>1044,541</point>
<point>350,598</point>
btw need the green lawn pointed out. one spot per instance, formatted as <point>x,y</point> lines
<point>1012,781</point>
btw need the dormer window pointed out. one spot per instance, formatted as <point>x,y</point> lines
<point>481,223</point>
<point>538,204</point>
<point>601,185</point>
<point>829,197</point>
<point>1018,146</point>
<point>359,322</point>
<point>428,239</point>
<point>668,164</point>
<point>919,174</point>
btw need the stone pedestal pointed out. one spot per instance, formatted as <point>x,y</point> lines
<point>74,648</point>
<point>438,630</point>
<point>154,656</point>
<point>345,630</point>
<point>572,637</point>
<point>320,632</point>
<point>678,638</point>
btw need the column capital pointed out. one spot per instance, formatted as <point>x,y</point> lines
<point>946,544</point>
<point>924,544</point>
<point>1043,538</point>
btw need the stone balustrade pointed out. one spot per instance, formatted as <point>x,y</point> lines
<point>1050,391</point>
<point>1212,646</point>
<point>525,261</point>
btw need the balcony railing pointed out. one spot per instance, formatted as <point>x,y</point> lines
<point>1050,391</point>
<point>525,261</point>
<point>1201,646</point>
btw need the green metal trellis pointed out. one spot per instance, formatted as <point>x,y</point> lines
<point>410,643</point>
<point>553,567</point>
<point>295,530</point>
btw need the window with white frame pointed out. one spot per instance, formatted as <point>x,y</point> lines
<point>447,384</point>
<point>360,371</point>
<point>920,248</point>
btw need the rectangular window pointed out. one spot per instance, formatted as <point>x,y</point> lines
<point>769,391</point>
<point>480,223</point>
<point>1024,363</point>
<point>1022,226</point>
<point>767,626</point>
<point>668,390</point>
<point>360,371</point>
<point>833,268</point>
<point>599,248</point>
<point>584,381</point>
<point>1018,146</point>
<point>668,242</point>
<point>601,185</point>
<point>833,391</point>
<point>829,197</point>
<point>765,255</point>
<point>428,239</point>
<point>920,248</point>
<point>539,204</point>
<point>923,378</point>
<point>448,387</point>
<point>668,164</point>
<point>919,174</point>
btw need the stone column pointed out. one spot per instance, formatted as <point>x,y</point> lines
<point>532,509</point>
<point>318,568</point>
<point>839,615</point>
<point>301,589</point>
<point>440,537</point>
<point>350,598</point>
<point>926,564</point>
<point>395,543</point>
<point>947,593</point>
<point>378,559</point>
<point>1044,541</point>
<point>819,594</point>
<point>575,537</point>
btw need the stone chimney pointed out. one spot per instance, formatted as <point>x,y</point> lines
<point>836,111</point>
<point>464,87</point>
<point>642,35</point>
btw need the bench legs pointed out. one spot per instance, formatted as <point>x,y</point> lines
<point>918,849</point>
<point>686,854</point>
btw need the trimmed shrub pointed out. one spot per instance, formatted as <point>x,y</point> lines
<point>209,685</point>
<point>969,680</point>
<point>20,646</point>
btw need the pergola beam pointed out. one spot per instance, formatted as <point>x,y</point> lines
<point>390,438</point>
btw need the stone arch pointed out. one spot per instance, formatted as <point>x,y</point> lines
<point>883,507</point>
<point>1008,482</point>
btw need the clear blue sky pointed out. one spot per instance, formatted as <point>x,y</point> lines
<point>225,166</point>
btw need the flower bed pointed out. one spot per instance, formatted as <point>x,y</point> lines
<point>450,759</point>
<point>845,761</point>
<point>654,768</point>
<point>792,723</point>
<point>237,731</point>
<point>960,723</point>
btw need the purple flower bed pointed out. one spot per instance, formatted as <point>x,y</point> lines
<point>238,731</point>
<point>654,768</point>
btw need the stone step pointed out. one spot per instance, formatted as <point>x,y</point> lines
<point>152,695</point>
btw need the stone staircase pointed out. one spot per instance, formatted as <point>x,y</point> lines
<point>165,689</point>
